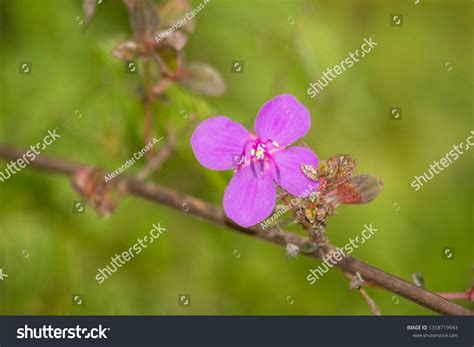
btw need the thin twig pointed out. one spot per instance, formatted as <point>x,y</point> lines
<point>155,162</point>
<point>356,283</point>
<point>457,296</point>
<point>370,302</point>
<point>155,158</point>
<point>216,215</point>
<point>148,101</point>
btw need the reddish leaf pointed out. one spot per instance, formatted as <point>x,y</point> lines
<point>176,39</point>
<point>129,4</point>
<point>89,10</point>
<point>203,79</point>
<point>144,19</point>
<point>173,11</point>
<point>126,50</point>
<point>360,189</point>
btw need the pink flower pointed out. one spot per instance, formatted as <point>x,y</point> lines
<point>261,161</point>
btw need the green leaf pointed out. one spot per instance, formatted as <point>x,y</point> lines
<point>170,57</point>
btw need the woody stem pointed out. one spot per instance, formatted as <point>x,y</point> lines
<point>214,214</point>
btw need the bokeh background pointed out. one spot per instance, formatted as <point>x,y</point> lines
<point>424,67</point>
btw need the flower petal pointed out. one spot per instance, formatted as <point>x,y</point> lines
<point>218,141</point>
<point>249,200</point>
<point>282,119</point>
<point>289,162</point>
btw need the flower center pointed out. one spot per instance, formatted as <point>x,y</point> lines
<point>259,153</point>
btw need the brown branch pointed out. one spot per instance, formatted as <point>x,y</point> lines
<point>216,215</point>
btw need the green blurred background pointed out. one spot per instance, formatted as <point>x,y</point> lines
<point>50,253</point>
